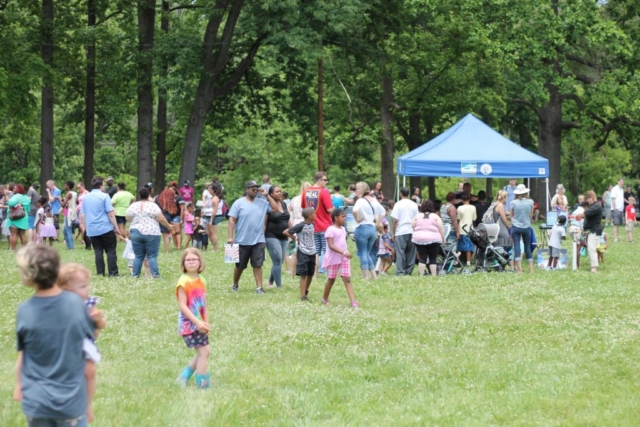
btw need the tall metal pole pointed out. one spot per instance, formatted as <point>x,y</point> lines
<point>320,119</point>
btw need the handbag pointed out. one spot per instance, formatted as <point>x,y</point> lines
<point>16,212</point>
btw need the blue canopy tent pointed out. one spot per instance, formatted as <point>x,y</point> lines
<point>472,149</point>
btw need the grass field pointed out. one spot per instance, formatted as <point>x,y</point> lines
<point>551,349</point>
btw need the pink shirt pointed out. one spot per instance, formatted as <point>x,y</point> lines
<point>188,223</point>
<point>339,235</point>
<point>426,231</point>
<point>186,193</point>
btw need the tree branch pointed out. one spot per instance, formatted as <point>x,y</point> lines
<point>575,98</point>
<point>222,56</point>
<point>570,125</point>
<point>211,34</point>
<point>185,6</point>
<point>395,106</point>
<point>528,104</point>
<point>226,87</point>
<point>583,61</point>
<point>585,79</point>
<point>403,132</point>
<point>109,16</point>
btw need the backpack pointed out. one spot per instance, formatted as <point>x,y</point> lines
<point>487,218</point>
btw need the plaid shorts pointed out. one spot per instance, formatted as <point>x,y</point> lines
<point>344,267</point>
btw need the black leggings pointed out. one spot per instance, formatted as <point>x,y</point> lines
<point>428,251</point>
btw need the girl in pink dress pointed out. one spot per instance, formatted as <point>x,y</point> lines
<point>337,257</point>
<point>188,225</point>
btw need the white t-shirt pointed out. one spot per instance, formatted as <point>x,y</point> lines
<point>403,212</point>
<point>207,209</point>
<point>617,193</point>
<point>557,233</point>
<point>366,212</point>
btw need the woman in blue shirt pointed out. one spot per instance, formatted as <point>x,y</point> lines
<point>521,212</point>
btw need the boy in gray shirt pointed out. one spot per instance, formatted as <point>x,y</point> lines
<point>50,328</point>
<point>306,265</point>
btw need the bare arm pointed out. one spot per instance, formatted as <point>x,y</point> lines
<point>162,220</point>
<point>17,389</point>
<point>112,220</point>
<point>453,213</point>
<point>203,327</point>
<point>439,225</point>
<point>230,229</point>
<point>334,248</point>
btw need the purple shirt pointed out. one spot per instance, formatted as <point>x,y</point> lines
<point>186,193</point>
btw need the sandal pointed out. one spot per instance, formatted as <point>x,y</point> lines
<point>326,302</point>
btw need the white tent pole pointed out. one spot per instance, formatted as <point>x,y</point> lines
<point>547,182</point>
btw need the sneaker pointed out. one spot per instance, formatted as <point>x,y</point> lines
<point>616,240</point>
<point>382,273</point>
<point>304,299</point>
<point>260,291</point>
<point>354,304</point>
<point>548,268</point>
<point>326,302</point>
<point>234,288</point>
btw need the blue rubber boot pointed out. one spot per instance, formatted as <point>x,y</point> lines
<point>203,381</point>
<point>185,375</point>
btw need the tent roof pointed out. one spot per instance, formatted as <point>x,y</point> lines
<point>470,148</point>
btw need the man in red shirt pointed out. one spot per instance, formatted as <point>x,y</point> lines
<point>317,196</point>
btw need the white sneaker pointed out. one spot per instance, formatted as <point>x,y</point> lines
<point>616,240</point>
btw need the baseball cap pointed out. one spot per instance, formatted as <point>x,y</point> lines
<point>149,185</point>
<point>109,178</point>
<point>186,183</point>
<point>251,184</point>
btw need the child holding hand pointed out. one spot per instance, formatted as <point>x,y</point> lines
<point>337,257</point>
<point>193,322</point>
<point>51,327</point>
<point>75,278</point>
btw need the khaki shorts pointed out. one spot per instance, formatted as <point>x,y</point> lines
<point>629,226</point>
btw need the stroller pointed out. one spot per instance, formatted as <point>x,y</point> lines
<point>488,257</point>
<point>448,261</point>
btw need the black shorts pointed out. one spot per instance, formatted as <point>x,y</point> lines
<point>306,264</point>
<point>56,221</point>
<point>196,339</point>
<point>121,219</point>
<point>428,253</point>
<point>255,253</point>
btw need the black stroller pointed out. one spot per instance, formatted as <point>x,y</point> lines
<point>487,256</point>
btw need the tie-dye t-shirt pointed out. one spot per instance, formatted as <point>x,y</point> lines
<point>195,289</point>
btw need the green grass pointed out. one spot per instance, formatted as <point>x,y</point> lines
<point>553,349</point>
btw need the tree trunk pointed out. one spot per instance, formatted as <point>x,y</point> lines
<point>161,141</point>
<point>46,125</point>
<point>550,139</point>
<point>415,140</point>
<point>386,170</point>
<point>431,181</point>
<point>193,139</point>
<point>90,99</point>
<point>146,27</point>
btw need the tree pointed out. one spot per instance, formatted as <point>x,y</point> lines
<point>46,129</point>
<point>146,30</point>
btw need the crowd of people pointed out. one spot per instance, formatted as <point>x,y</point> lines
<point>307,235</point>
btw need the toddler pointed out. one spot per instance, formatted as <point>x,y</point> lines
<point>630,217</point>
<point>50,327</point>
<point>47,222</point>
<point>188,225</point>
<point>384,250</point>
<point>193,322</point>
<point>337,257</point>
<point>75,278</point>
<point>200,237</point>
<point>602,247</point>
<point>555,242</point>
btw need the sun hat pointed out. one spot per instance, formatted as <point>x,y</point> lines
<point>521,189</point>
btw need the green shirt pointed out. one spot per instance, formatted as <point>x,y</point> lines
<point>121,201</point>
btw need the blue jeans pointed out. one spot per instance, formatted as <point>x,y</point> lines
<point>145,246</point>
<point>67,232</point>
<point>321,248</point>
<point>365,238</point>
<point>277,251</point>
<point>521,233</point>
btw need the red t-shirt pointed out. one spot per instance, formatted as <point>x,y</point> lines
<point>630,212</point>
<point>319,199</point>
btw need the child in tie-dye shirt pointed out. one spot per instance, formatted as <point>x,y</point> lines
<point>193,322</point>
